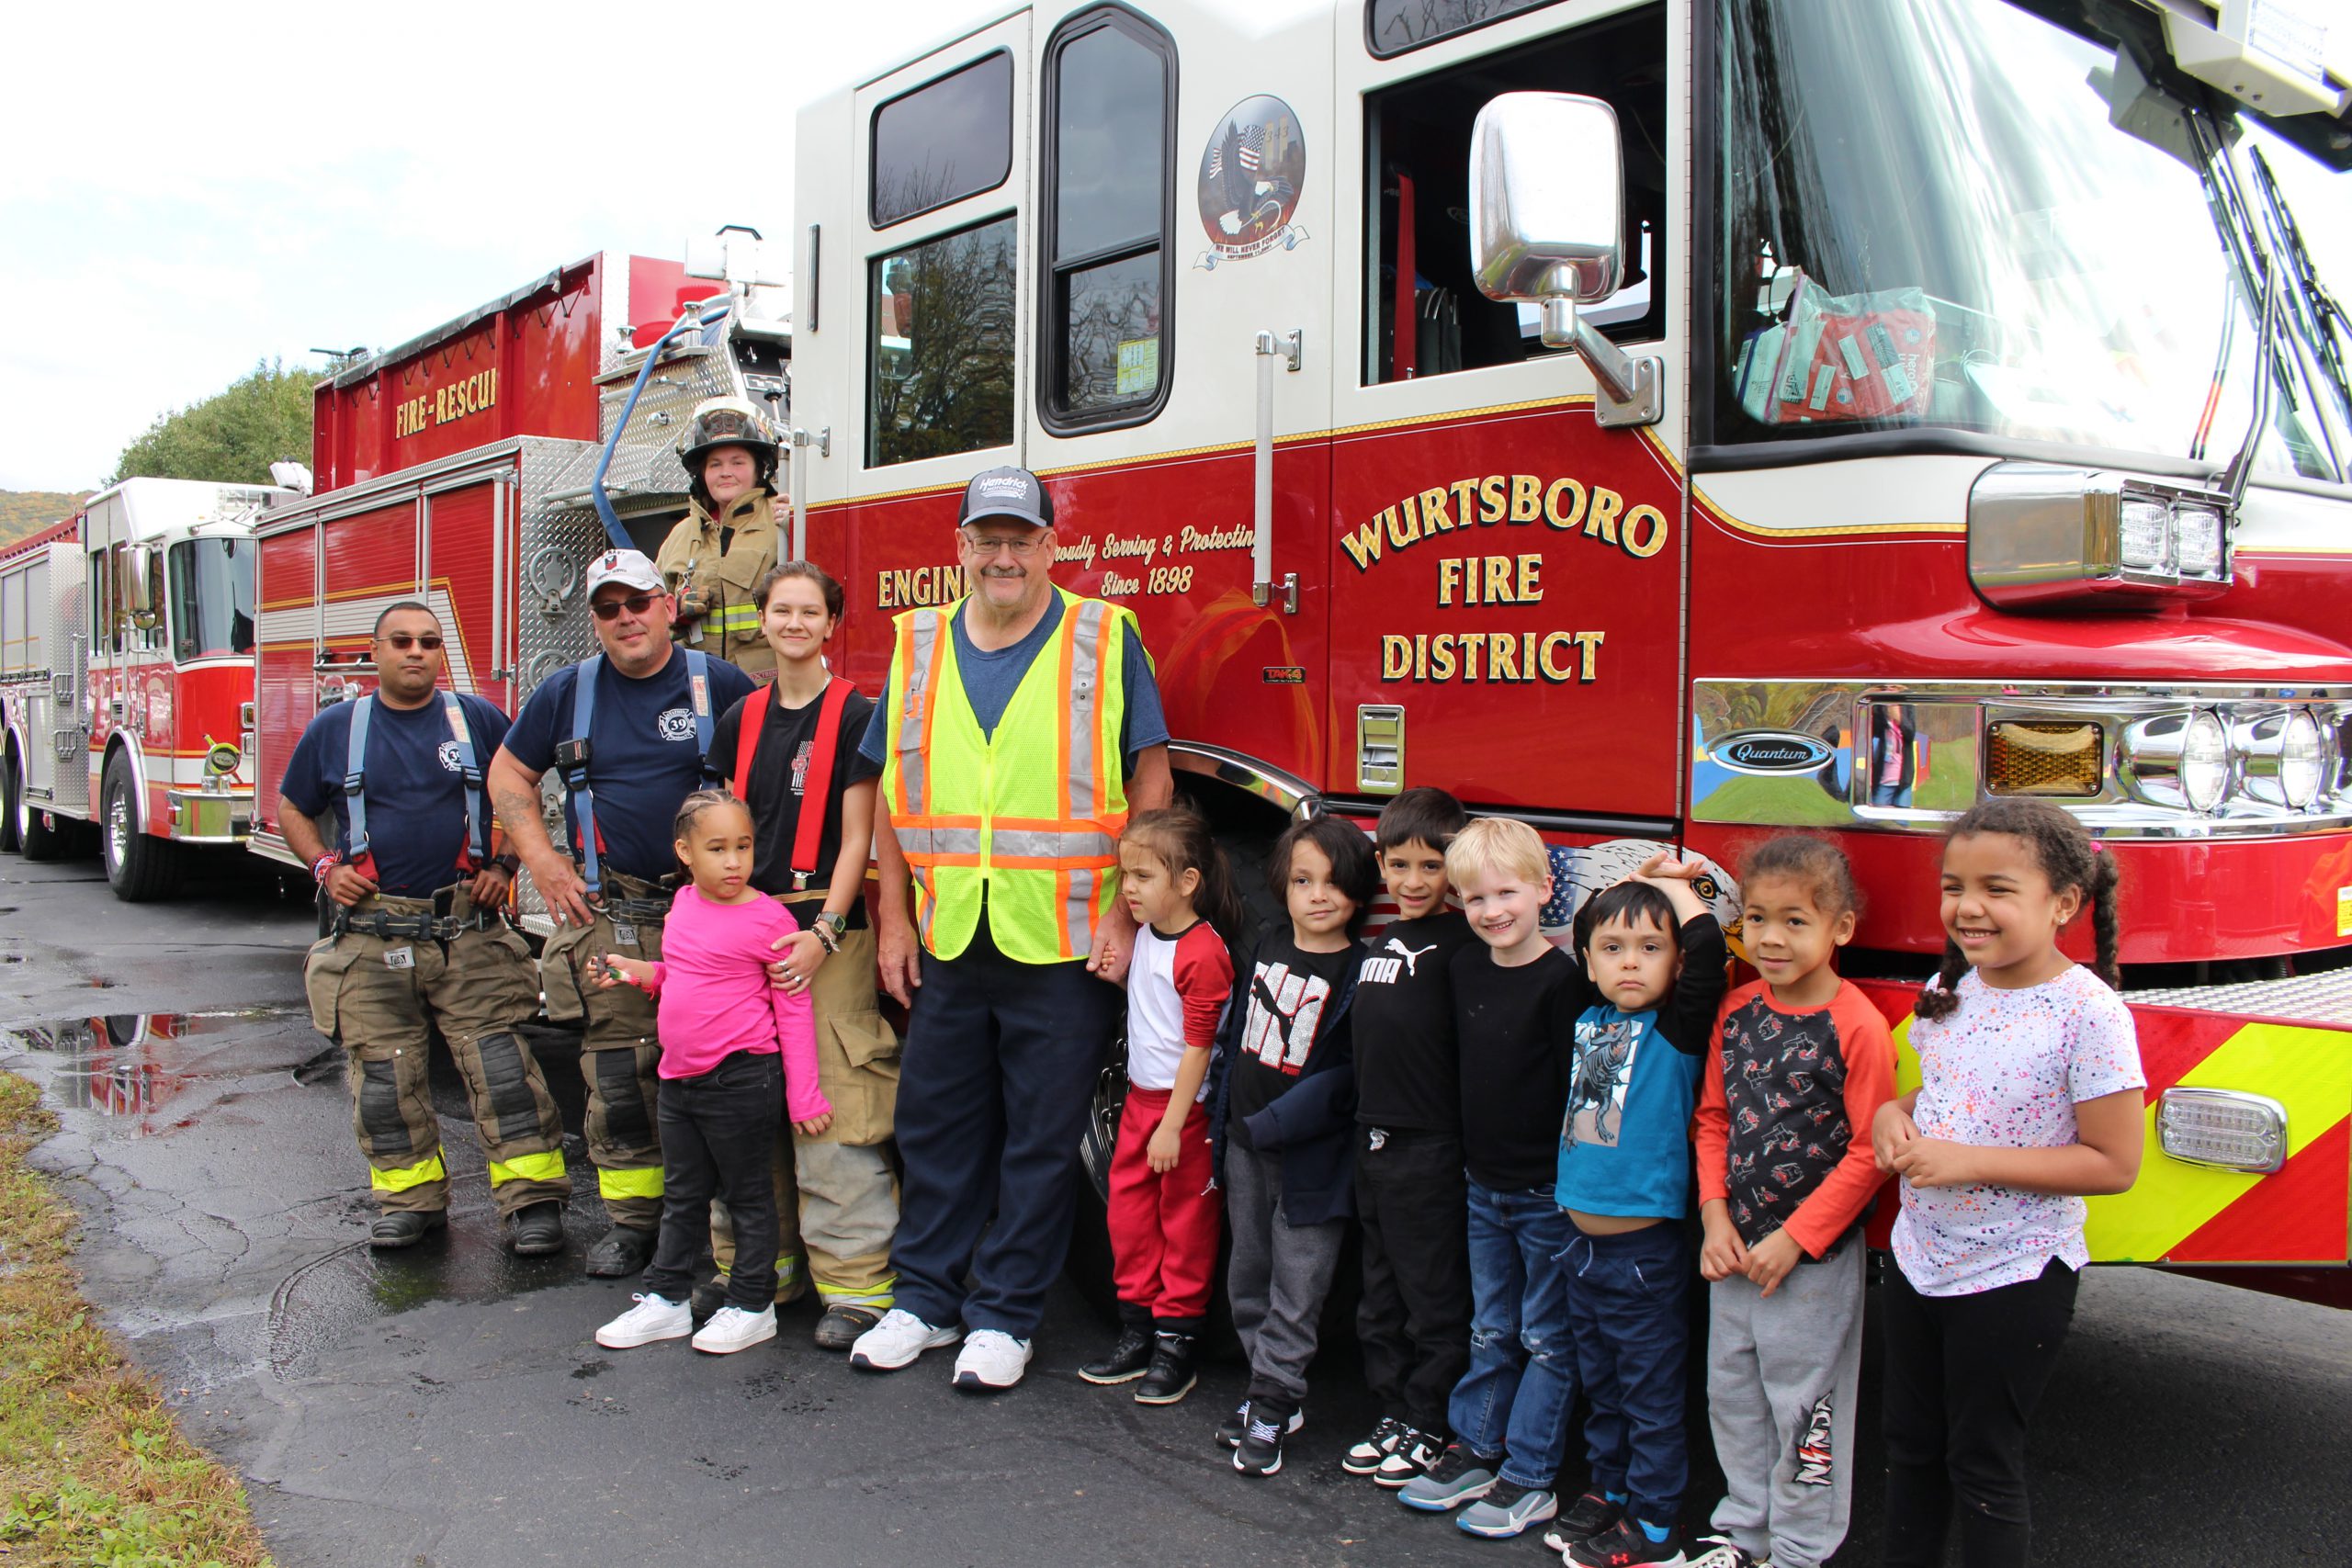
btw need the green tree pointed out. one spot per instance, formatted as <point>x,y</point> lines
<point>231,436</point>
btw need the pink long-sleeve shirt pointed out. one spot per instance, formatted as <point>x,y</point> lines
<point>714,998</point>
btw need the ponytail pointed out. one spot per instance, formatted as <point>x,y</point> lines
<point>1182,840</point>
<point>1941,999</point>
<point>2106,939</point>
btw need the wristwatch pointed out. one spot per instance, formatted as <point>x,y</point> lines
<point>829,928</point>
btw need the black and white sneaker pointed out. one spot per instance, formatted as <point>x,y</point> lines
<point>1459,1477</point>
<point>1625,1545</point>
<point>1365,1457</point>
<point>1585,1518</point>
<point>1260,1450</point>
<point>1416,1453</point>
<point>1230,1431</point>
<point>1721,1551</point>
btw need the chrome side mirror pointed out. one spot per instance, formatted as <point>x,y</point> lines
<point>1548,222</point>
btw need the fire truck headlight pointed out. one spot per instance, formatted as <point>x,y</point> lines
<point>2199,534</point>
<point>2182,759</point>
<point>2144,534</point>
<point>2204,760</point>
<point>2302,760</point>
<point>2222,1127</point>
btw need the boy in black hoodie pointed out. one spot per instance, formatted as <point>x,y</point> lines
<point>1284,1124</point>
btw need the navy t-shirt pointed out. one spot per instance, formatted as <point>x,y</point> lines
<point>990,679</point>
<point>416,795</point>
<point>643,760</point>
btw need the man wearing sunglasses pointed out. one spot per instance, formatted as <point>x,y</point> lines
<point>649,716</point>
<point>417,939</point>
<point>1018,729</point>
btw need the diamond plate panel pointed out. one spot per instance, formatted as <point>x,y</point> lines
<point>2324,998</point>
<point>646,462</point>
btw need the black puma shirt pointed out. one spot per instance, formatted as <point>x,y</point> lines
<point>1408,1070</point>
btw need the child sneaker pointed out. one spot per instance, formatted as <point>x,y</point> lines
<point>1230,1431</point>
<point>1625,1545</point>
<point>992,1361</point>
<point>1364,1456</point>
<point>897,1340</point>
<point>1414,1454</point>
<point>653,1317</point>
<point>1174,1357</point>
<point>1585,1518</point>
<point>1721,1551</point>
<point>1508,1509</point>
<point>1458,1477</point>
<point>1128,1359</point>
<point>731,1328</point>
<point>1261,1449</point>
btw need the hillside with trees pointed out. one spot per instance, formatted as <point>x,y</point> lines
<point>24,512</point>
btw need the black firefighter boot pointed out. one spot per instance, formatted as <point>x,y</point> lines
<point>1175,1363</point>
<point>538,1229</point>
<point>404,1227</point>
<point>624,1251</point>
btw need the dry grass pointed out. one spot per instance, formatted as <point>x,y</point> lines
<point>92,1472</point>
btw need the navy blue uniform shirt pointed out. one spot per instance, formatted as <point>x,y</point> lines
<point>643,760</point>
<point>416,796</point>
<point>990,679</point>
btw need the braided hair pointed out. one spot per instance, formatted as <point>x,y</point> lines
<point>2068,856</point>
<point>690,810</point>
<point>1820,866</point>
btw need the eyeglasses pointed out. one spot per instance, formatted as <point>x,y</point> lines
<point>985,544</point>
<point>610,609</point>
<point>406,640</point>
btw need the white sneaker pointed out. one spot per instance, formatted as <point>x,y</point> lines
<point>991,1360</point>
<point>653,1317</point>
<point>897,1340</point>
<point>731,1328</point>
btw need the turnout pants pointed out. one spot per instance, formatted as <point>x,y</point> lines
<point>379,998</point>
<point>1414,1321</point>
<point>619,1052</point>
<point>1276,1279</point>
<point>1164,1226</point>
<point>836,1194</point>
<point>1781,1377</point>
<point>1001,1061</point>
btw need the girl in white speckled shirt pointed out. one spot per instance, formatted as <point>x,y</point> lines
<point>2030,1097</point>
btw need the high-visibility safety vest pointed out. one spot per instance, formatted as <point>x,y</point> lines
<point>1028,818</point>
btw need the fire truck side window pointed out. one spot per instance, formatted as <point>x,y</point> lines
<point>1424,315</point>
<point>1109,198</point>
<point>945,141</point>
<point>940,353</point>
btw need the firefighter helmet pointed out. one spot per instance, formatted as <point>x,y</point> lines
<point>727,422</point>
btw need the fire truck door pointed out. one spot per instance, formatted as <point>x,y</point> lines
<point>1506,596</point>
<point>909,356</point>
<point>1183,298</point>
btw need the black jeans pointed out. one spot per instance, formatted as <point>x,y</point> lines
<point>1414,1322</point>
<point>719,1134</point>
<point>1964,1374</point>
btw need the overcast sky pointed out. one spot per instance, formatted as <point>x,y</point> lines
<point>185,189</point>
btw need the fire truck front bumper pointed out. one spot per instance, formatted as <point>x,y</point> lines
<point>211,816</point>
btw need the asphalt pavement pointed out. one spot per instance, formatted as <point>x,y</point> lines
<point>447,1407</point>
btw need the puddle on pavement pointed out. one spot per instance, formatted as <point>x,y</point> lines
<point>130,1067</point>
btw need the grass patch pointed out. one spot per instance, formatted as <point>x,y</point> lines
<point>92,1472</point>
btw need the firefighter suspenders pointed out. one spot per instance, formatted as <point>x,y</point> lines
<point>357,854</point>
<point>572,757</point>
<point>817,790</point>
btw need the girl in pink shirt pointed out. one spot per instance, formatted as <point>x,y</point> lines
<point>735,1052</point>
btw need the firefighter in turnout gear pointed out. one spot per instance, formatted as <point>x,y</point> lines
<point>418,940</point>
<point>627,730</point>
<point>715,558</point>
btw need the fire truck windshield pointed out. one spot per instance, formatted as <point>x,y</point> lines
<point>212,598</point>
<point>1959,214</point>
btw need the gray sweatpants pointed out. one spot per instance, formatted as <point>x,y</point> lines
<point>1781,1378</point>
<point>1276,1279</point>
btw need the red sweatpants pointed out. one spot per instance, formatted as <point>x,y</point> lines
<point>1163,1227</point>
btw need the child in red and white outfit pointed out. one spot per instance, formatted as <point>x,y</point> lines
<point>1164,1209</point>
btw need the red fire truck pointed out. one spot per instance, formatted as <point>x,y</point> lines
<point>127,678</point>
<point>1670,423</point>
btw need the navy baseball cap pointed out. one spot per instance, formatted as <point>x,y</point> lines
<point>1006,492</point>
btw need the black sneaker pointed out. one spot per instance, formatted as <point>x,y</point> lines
<point>1365,1457</point>
<point>1127,1359</point>
<point>1459,1477</point>
<point>1260,1450</point>
<point>1587,1518</point>
<point>1174,1357</point>
<point>1625,1545</point>
<point>1416,1454</point>
<point>1231,1430</point>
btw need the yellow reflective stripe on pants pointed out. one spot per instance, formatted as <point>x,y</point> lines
<point>528,1168</point>
<point>408,1176</point>
<point>643,1182</point>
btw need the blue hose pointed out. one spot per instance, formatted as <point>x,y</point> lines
<point>612,530</point>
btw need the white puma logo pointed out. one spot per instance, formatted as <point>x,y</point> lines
<point>1382,970</point>
<point>1409,954</point>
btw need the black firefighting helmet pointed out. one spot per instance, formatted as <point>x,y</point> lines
<point>727,422</point>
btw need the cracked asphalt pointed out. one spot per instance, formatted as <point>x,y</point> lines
<point>447,1407</point>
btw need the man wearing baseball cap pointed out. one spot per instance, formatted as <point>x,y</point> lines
<point>1018,728</point>
<point>629,748</point>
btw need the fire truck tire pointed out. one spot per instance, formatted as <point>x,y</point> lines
<point>140,866</point>
<point>35,837</point>
<point>11,833</point>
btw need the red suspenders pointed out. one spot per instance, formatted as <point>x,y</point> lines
<point>817,789</point>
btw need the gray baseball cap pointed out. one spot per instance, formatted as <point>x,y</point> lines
<point>1006,492</point>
